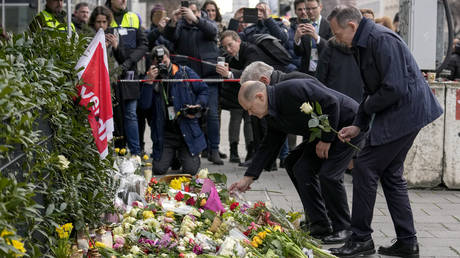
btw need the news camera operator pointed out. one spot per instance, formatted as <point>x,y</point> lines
<point>176,107</point>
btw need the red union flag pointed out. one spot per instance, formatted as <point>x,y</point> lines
<point>95,91</point>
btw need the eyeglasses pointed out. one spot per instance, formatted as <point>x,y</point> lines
<point>311,9</point>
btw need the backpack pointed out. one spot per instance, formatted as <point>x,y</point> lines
<point>272,47</point>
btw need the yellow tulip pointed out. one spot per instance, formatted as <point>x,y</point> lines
<point>123,151</point>
<point>253,243</point>
<point>262,234</point>
<point>203,202</point>
<point>100,244</point>
<point>170,214</point>
<point>145,157</point>
<point>257,240</point>
<point>117,150</point>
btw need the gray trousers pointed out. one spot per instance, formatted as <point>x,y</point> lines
<point>236,115</point>
<point>173,145</point>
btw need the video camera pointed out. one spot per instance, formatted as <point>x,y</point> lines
<point>162,68</point>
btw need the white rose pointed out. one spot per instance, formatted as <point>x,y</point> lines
<point>135,249</point>
<point>203,173</point>
<point>306,108</point>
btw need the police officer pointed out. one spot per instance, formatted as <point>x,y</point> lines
<point>127,26</point>
<point>52,17</point>
<point>397,103</point>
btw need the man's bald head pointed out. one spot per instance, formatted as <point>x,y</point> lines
<point>253,98</point>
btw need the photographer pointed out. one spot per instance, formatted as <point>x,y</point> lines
<point>175,107</point>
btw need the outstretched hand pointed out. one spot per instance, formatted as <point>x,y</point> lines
<point>348,133</point>
<point>242,186</point>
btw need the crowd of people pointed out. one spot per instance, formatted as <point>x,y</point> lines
<point>361,73</point>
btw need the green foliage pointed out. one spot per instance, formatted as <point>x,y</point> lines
<point>37,88</point>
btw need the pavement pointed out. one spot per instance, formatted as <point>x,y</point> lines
<point>436,211</point>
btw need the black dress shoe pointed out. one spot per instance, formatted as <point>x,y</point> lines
<point>400,249</point>
<point>246,164</point>
<point>320,230</point>
<point>352,248</point>
<point>282,163</point>
<point>338,237</point>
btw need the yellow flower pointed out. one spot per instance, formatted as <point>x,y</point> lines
<point>277,228</point>
<point>175,184</point>
<point>117,150</point>
<point>15,243</point>
<point>203,173</point>
<point>149,190</point>
<point>268,230</point>
<point>262,234</point>
<point>257,240</point>
<point>68,227</point>
<point>253,243</point>
<point>123,151</point>
<point>147,214</point>
<point>145,157</point>
<point>306,108</point>
<point>203,202</point>
<point>18,245</point>
<point>170,214</point>
<point>100,244</point>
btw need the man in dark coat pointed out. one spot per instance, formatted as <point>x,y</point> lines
<point>242,54</point>
<point>311,37</point>
<point>195,35</point>
<point>338,70</point>
<point>326,158</point>
<point>397,103</point>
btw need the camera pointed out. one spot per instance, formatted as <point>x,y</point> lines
<point>162,68</point>
<point>194,111</point>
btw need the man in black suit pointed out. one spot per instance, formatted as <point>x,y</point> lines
<point>242,54</point>
<point>311,37</point>
<point>317,166</point>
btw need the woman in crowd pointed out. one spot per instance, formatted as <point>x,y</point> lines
<point>214,14</point>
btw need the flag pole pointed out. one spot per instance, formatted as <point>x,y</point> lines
<point>69,20</point>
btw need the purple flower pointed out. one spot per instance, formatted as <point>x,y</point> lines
<point>197,249</point>
<point>165,240</point>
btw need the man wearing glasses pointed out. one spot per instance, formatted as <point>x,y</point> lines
<point>311,36</point>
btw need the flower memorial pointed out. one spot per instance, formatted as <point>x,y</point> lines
<point>185,216</point>
<point>319,122</point>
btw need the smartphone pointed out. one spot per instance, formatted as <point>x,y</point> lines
<point>221,60</point>
<point>304,21</point>
<point>250,15</point>
<point>184,3</point>
<point>109,31</point>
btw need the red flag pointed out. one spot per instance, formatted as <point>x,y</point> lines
<point>95,91</point>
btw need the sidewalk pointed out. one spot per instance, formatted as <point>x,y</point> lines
<point>436,212</point>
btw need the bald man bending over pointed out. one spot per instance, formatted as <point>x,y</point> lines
<point>316,168</point>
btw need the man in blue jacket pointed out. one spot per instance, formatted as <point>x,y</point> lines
<point>175,107</point>
<point>397,103</point>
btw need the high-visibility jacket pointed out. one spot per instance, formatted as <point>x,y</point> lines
<point>52,22</point>
<point>127,29</point>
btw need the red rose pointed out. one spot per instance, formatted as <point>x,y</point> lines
<point>234,205</point>
<point>190,202</point>
<point>179,196</point>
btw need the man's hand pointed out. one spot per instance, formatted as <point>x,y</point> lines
<point>188,15</point>
<point>322,149</point>
<point>176,14</point>
<point>223,70</point>
<point>152,74</point>
<point>111,40</point>
<point>242,186</point>
<point>305,29</point>
<point>349,132</point>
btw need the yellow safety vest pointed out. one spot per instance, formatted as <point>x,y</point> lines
<point>52,22</point>
<point>130,20</point>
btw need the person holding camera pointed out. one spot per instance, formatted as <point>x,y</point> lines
<point>176,107</point>
<point>195,35</point>
<point>311,35</point>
